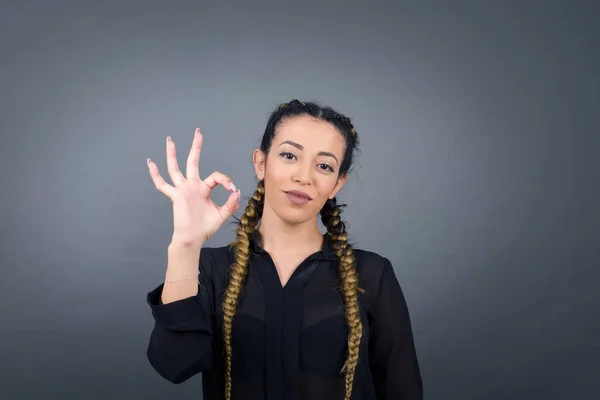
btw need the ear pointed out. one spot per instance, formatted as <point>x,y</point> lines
<point>338,186</point>
<point>259,159</point>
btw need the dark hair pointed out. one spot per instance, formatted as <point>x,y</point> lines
<point>330,216</point>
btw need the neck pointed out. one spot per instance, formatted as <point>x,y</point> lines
<point>279,236</point>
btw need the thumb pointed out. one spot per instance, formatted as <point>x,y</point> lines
<point>232,204</point>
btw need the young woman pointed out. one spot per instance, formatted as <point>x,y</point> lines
<point>284,312</point>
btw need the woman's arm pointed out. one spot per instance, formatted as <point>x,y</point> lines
<point>393,359</point>
<point>181,341</point>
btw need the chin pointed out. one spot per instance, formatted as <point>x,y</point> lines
<point>295,215</point>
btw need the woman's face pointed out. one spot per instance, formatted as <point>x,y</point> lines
<point>305,156</point>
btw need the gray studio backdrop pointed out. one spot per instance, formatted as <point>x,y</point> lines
<point>477,176</point>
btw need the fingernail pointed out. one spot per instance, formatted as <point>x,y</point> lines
<point>232,186</point>
<point>148,161</point>
<point>168,138</point>
<point>197,130</point>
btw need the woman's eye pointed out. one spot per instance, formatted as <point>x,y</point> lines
<point>327,167</point>
<point>287,155</point>
<point>290,156</point>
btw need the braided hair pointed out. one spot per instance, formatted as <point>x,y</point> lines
<point>330,216</point>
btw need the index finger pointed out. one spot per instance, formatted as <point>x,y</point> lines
<point>191,167</point>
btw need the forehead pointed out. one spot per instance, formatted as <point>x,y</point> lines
<point>311,133</point>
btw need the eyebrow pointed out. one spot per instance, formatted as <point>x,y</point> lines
<point>300,147</point>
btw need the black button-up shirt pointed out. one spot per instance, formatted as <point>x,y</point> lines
<point>290,342</point>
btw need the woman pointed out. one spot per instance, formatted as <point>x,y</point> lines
<point>284,312</point>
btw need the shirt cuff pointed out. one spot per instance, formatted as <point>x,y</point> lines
<point>185,314</point>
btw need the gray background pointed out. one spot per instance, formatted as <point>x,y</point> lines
<point>477,177</point>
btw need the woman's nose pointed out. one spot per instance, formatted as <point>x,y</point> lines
<point>302,173</point>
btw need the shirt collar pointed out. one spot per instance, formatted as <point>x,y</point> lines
<point>325,254</point>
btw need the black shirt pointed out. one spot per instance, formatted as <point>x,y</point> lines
<point>288,343</point>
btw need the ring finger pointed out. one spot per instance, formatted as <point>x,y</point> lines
<point>172,166</point>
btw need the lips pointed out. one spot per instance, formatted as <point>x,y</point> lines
<point>300,194</point>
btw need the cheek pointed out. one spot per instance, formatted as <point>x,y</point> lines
<point>275,174</point>
<point>325,186</point>
<point>275,178</point>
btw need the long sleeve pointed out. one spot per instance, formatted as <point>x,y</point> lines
<point>180,344</point>
<point>393,359</point>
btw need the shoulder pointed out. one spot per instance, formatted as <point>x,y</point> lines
<point>215,262</point>
<point>371,265</point>
<point>374,270</point>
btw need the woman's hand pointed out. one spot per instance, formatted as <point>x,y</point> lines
<point>195,216</point>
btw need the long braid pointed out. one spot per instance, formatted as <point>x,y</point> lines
<point>239,270</point>
<point>330,216</point>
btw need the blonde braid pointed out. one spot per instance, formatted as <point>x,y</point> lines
<point>330,215</point>
<point>239,270</point>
